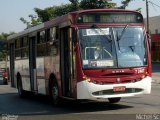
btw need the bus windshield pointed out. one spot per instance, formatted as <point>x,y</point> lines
<point>113,47</point>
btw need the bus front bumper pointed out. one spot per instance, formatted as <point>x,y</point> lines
<point>91,91</point>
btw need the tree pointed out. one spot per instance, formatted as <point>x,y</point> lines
<point>125,3</point>
<point>96,4</point>
<point>3,45</point>
<point>3,36</point>
<point>34,21</point>
<point>75,3</point>
<point>46,14</point>
<point>50,13</point>
<point>54,11</point>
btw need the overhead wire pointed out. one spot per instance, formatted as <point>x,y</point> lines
<point>153,7</point>
<point>154,4</point>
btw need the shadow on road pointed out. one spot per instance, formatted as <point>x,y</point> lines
<point>41,105</point>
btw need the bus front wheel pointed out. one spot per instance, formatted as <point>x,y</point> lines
<point>55,94</point>
<point>114,100</point>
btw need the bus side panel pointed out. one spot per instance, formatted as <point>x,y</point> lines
<point>52,66</point>
<point>22,67</point>
<point>40,75</point>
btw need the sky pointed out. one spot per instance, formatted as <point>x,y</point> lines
<point>12,10</point>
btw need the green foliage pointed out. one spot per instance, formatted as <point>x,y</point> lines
<point>25,22</point>
<point>125,4</point>
<point>139,9</point>
<point>64,9</point>
<point>96,4</point>
<point>3,45</point>
<point>74,1</point>
<point>34,21</point>
<point>46,14</point>
<point>54,11</point>
<point>3,36</point>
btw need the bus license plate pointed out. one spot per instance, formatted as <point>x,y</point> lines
<point>119,89</point>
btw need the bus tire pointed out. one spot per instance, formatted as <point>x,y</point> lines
<point>21,92</point>
<point>114,100</point>
<point>54,92</point>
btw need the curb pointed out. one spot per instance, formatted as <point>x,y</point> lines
<point>156,81</point>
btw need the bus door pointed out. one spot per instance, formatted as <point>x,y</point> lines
<point>66,58</point>
<point>12,53</point>
<point>32,63</point>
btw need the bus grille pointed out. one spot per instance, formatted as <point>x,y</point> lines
<point>111,92</point>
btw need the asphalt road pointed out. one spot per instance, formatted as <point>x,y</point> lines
<point>40,108</point>
<point>143,107</point>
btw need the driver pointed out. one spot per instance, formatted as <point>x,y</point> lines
<point>98,52</point>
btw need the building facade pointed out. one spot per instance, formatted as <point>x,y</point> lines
<point>154,27</point>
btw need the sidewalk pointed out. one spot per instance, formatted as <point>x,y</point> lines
<point>156,78</point>
<point>156,72</point>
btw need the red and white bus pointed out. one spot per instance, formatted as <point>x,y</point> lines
<point>88,54</point>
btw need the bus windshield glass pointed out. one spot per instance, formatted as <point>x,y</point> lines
<point>113,47</point>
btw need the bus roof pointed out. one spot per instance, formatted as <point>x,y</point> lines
<point>41,26</point>
<point>104,10</point>
<point>61,19</point>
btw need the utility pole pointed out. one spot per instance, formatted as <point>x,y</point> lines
<point>147,10</point>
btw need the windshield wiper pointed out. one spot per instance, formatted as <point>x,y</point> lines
<point>132,48</point>
<point>123,31</point>
<point>119,38</point>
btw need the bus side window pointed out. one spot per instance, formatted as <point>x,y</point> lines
<point>52,41</point>
<point>41,45</point>
<point>18,48</point>
<point>24,46</point>
<point>42,36</point>
<point>55,45</point>
<point>54,35</point>
<point>47,35</point>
